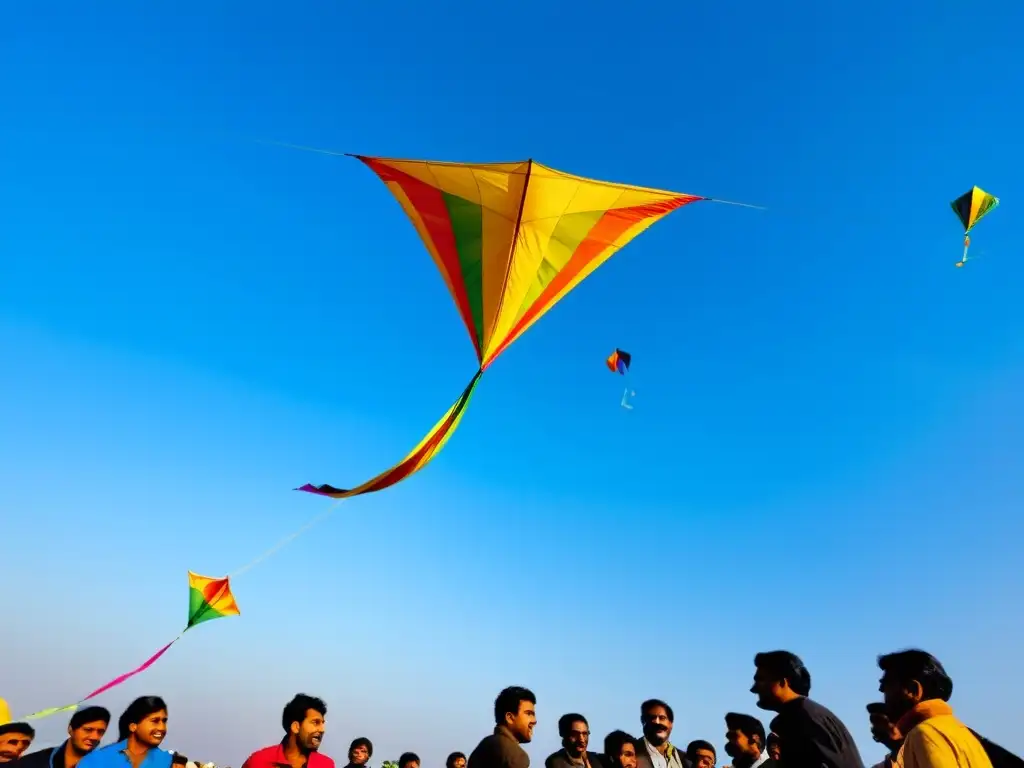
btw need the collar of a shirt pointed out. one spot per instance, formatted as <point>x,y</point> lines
<point>924,710</point>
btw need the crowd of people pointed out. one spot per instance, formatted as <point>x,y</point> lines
<point>914,722</point>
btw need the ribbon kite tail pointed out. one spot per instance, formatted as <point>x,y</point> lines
<point>417,458</point>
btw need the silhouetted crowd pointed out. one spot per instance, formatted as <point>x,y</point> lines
<point>914,722</point>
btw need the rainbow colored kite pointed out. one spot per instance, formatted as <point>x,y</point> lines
<point>511,240</point>
<point>208,599</point>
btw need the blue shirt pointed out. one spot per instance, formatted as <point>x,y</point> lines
<point>114,756</point>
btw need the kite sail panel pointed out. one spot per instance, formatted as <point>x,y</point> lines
<point>971,207</point>
<point>510,240</point>
<point>618,361</point>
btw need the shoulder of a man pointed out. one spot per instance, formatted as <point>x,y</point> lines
<point>320,760</point>
<point>36,759</point>
<point>264,757</point>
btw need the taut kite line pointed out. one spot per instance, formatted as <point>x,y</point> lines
<point>511,240</point>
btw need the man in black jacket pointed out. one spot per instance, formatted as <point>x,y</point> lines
<point>85,732</point>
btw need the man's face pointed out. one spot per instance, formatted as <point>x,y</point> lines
<point>578,739</point>
<point>310,732</point>
<point>657,726</point>
<point>359,755</point>
<point>883,731</point>
<point>521,724</point>
<point>627,756</point>
<point>411,764</point>
<point>774,751</point>
<point>459,762</point>
<point>767,689</point>
<point>12,745</point>
<point>738,744</point>
<point>86,737</point>
<point>703,758</point>
<point>152,729</point>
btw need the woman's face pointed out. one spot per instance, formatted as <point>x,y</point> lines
<point>151,729</point>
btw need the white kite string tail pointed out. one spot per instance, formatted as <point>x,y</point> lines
<point>730,202</point>
<point>286,540</point>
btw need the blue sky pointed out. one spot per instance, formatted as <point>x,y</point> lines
<point>825,453</point>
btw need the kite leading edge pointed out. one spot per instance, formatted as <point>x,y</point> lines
<point>510,240</point>
<point>970,208</point>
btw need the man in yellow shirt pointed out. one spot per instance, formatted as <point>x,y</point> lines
<point>917,689</point>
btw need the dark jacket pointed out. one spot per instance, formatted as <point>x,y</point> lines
<point>811,736</point>
<point>560,760</point>
<point>499,750</point>
<point>643,758</point>
<point>51,757</point>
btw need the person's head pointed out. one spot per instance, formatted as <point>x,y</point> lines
<point>575,733</point>
<point>883,730</point>
<point>86,729</point>
<point>455,760</point>
<point>657,718</point>
<point>144,722</point>
<point>701,754</point>
<point>620,749</point>
<point>179,759</point>
<point>15,738</point>
<point>779,678</point>
<point>304,719</point>
<point>409,760</point>
<point>910,677</point>
<point>772,747</point>
<point>360,750</point>
<point>744,737</point>
<point>515,709</point>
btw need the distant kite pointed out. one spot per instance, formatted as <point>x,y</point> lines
<point>511,240</point>
<point>618,361</point>
<point>970,208</point>
<point>208,599</point>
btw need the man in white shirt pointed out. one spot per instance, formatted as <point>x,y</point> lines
<point>745,742</point>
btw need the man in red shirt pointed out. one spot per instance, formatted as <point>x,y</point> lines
<point>304,720</point>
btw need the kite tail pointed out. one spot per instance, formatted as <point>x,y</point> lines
<point>417,458</point>
<point>103,688</point>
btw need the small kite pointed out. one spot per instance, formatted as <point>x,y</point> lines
<point>510,240</point>
<point>970,208</point>
<point>208,599</point>
<point>618,362</point>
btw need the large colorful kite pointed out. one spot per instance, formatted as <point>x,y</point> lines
<point>511,240</point>
<point>970,208</point>
<point>208,599</point>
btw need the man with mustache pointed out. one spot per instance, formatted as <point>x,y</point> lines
<point>810,735</point>
<point>655,750</point>
<point>85,732</point>
<point>745,742</point>
<point>304,721</point>
<point>575,733</point>
<point>515,716</point>
<point>15,738</point>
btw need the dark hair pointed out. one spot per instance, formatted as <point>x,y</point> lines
<point>773,738</point>
<point>89,715</point>
<point>362,741</point>
<point>296,709</point>
<point>452,758</point>
<point>783,665</point>
<point>877,708</point>
<point>615,741</point>
<point>136,712</point>
<point>508,701</point>
<point>914,664</point>
<point>651,704</point>
<point>746,724</point>
<point>24,728</point>
<point>565,721</point>
<point>693,746</point>
<point>178,759</point>
<point>406,758</point>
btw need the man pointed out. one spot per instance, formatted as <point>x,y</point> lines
<point>745,742</point>
<point>514,719</point>
<point>810,735</point>
<point>701,754</point>
<point>771,746</point>
<point>141,730</point>
<point>655,750</point>
<point>916,690</point>
<point>409,760</point>
<point>359,752</point>
<point>455,760</point>
<point>620,750</point>
<point>885,733</point>
<point>575,733</point>
<point>85,732</point>
<point>15,738</point>
<point>304,720</point>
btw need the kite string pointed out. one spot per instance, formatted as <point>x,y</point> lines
<point>286,540</point>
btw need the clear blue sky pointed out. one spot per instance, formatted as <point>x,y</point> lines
<point>826,449</point>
